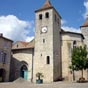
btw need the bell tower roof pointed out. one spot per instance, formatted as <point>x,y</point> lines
<point>85,24</point>
<point>46,5</point>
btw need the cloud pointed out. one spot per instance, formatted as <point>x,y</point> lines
<point>85,15</point>
<point>29,38</point>
<point>67,28</point>
<point>16,29</point>
<point>71,29</point>
<point>20,30</point>
<point>63,22</point>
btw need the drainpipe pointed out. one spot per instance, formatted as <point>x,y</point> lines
<point>32,64</point>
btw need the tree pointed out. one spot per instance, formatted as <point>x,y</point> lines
<point>39,75</point>
<point>79,59</point>
<point>39,80</point>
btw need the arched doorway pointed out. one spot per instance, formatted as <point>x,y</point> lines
<point>24,72</point>
<point>2,75</point>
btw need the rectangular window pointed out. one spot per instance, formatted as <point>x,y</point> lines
<point>4,58</point>
<point>48,60</point>
<point>43,40</point>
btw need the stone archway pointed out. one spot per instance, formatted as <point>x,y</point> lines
<point>24,72</point>
<point>2,75</point>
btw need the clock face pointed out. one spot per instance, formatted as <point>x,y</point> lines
<point>44,29</point>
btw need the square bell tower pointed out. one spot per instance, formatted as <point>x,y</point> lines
<point>47,53</point>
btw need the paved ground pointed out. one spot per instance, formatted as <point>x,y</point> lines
<point>25,84</point>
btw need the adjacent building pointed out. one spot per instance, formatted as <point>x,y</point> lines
<point>5,58</point>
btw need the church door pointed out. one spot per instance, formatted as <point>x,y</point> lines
<point>24,72</point>
<point>25,75</point>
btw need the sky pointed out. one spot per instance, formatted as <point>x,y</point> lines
<point>17,17</point>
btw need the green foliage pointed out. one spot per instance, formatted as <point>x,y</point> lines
<point>79,58</point>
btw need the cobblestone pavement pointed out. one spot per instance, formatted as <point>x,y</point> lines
<point>52,85</point>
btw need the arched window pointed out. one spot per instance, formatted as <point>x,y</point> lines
<point>48,60</point>
<point>24,67</point>
<point>74,44</point>
<point>40,16</point>
<point>47,15</point>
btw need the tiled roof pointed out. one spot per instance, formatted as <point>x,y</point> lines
<point>25,45</point>
<point>46,5</point>
<point>69,32</point>
<point>85,24</point>
<point>31,44</point>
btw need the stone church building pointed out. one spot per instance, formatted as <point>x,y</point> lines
<point>49,52</point>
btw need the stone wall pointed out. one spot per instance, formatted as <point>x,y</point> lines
<point>84,31</point>
<point>20,58</point>
<point>56,46</point>
<point>67,45</point>
<point>42,50</point>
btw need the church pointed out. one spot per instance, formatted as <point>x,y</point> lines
<point>49,52</point>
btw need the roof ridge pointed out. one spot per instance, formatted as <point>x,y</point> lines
<point>46,5</point>
<point>85,24</point>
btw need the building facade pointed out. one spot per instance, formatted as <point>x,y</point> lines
<point>50,51</point>
<point>22,61</point>
<point>69,41</point>
<point>5,58</point>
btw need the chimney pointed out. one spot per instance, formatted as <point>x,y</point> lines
<point>1,35</point>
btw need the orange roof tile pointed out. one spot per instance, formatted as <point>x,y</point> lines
<point>24,43</point>
<point>46,5</point>
<point>85,24</point>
